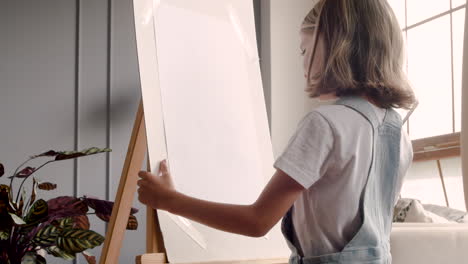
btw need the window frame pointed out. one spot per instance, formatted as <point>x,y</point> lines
<point>442,146</point>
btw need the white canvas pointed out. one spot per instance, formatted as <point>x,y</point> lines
<point>205,112</point>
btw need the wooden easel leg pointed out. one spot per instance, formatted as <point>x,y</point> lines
<point>126,192</point>
<point>155,249</point>
<point>155,258</point>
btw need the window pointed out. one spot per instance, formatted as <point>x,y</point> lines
<point>434,34</point>
<point>433,30</point>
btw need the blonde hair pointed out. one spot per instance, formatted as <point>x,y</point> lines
<point>364,52</point>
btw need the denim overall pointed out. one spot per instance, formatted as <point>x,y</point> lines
<point>371,244</point>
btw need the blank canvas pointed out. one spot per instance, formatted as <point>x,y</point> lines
<point>205,112</point>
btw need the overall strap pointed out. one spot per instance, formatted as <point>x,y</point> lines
<point>361,106</point>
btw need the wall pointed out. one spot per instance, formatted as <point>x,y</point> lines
<point>69,80</point>
<point>283,75</point>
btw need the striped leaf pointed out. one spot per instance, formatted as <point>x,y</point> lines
<point>64,155</point>
<point>132,223</point>
<point>66,223</point>
<point>37,212</point>
<point>50,153</point>
<point>47,186</point>
<point>57,252</point>
<point>78,240</point>
<point>47,236</point>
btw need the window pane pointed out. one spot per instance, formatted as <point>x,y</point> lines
<point>452,171</point>
<point>398,7</point>
<point>429,71</point>
<point>456,3</point>
<point>422,182</point>
<point>419,10</point>
<point>458,30</point>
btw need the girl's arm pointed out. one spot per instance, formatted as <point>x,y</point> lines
<point>251,220</point>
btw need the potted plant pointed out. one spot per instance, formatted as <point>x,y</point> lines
<point>31,227</point>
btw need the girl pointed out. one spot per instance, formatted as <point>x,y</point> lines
<point>339,177</point>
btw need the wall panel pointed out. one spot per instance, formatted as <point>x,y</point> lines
<point>69,80</point>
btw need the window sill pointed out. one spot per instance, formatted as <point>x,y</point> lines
<point>436,148</point>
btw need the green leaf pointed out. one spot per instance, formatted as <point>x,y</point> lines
<point>40,259</point>
<point>46,236</point>
<point>17,219</point>
<point>32,199</point>
<point>78,240</point>
<point>4,235</point>
<point>37,212</point>
<point>66,223</point>
<point>57,252</point>
<point>64,155</point>
<point>50,153</point>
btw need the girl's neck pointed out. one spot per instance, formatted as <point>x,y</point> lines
<point>327,97</point>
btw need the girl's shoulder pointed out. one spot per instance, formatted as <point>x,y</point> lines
<point>342,113</point>
<point>336,113</point>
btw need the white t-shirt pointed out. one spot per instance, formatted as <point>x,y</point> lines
<point>330,155</point>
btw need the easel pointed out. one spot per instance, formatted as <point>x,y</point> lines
<point>156,251</point>
<point>137,149</point>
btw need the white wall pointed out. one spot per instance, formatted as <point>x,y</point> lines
<point>283,75</point>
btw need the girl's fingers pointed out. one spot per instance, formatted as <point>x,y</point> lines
<point>144,174</point>
<point>163,167</point>
<point>140,182</point>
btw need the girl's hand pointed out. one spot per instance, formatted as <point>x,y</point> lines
<point>156,191</point>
